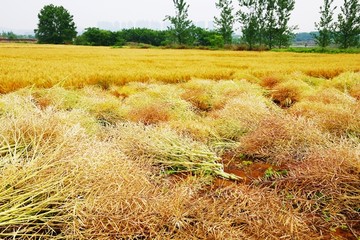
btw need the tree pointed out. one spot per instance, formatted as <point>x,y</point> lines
<point>266,22</point>
<point>250,31</point>
<point>96,37</point>
<point>208,38</point>
<point>55,25</point>
<point>180,31</point>
<point>143,35</point>
<point>325,27</point>
<point>225,22</point>
<point>285,32</point>
<point>250,21</point>
<point>9,35</point>
<point>348,26</point>
<point>269,23</point>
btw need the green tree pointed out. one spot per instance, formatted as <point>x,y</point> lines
<point>326,26</point>
<point>96,37</point>
<point>266,22</point>
<point>143,35</point>
<point>285,33</point>
<point>269,23</point>
<point>55,25</point>
<point>9,35</point>
<point>250,21</point>
<point>225,23</point>
<point>204,37</point>
<point>348,26</point>
<point>250,31</point>
<point>180,31</point>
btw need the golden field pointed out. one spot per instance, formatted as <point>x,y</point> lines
<point>102,143</point>
<point>46,66</point>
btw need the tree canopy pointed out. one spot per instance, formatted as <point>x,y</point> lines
<point>55,25</point>
<point>325,26</point>
<point>180,31</point>
<point>264,24</point>
<point>348,26</point>
<point>98,37</point>
<point>225,22</point>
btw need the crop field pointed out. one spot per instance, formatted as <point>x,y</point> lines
<point>121,143</point>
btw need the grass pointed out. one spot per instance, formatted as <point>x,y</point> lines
<point>101,143</point>
<point>328,50</point>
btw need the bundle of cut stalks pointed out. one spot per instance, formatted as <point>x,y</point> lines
<point>167,148</point>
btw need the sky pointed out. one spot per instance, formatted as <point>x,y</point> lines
<point>20,16</point>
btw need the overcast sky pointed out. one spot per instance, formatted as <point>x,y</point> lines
<point>21,15</point>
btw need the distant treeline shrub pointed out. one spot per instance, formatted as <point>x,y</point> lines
<point>99,37</point>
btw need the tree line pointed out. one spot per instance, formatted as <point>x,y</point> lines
<point>264,24</point>
<point>12,36</point>
<point>345,32</point>
<point>98,37</point>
